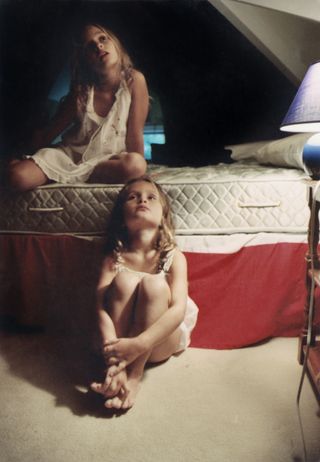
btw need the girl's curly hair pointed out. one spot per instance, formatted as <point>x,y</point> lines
<point>117,238</point>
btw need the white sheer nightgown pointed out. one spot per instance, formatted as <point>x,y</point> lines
<point>96,139</point>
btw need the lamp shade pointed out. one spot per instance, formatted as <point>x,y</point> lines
<point>304,113</point>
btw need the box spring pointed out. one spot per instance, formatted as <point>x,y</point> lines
<point>221,199</point>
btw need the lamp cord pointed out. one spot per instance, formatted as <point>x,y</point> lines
<point>310,315</point>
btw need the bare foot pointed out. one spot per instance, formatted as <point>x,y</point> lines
<point>125,399</point>
<point>120,401</point>
<point>111,386</point>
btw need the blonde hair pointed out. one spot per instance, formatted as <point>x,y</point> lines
<point>117,238</point>
<point>82,75</point>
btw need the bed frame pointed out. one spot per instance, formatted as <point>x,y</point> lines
<point>242,227</point>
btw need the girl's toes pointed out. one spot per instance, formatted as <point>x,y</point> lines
<point>96,387</point>
<point>108,404</point>
<point>114,403</point>
<point>117,403</point>
<point>127,403</point>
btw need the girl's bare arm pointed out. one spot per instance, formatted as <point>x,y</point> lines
<point>106,326</point>
<point>138,113</point>
<point>171,319</point>
<point>107,329</point>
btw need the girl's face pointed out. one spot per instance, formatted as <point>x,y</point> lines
<point>99,49</point>
<point>142,205</point>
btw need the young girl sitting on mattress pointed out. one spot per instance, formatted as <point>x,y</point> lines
<point>106,108</point>
<point>144,312</point>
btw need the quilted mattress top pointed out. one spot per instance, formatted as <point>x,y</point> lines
<point>219,199</point>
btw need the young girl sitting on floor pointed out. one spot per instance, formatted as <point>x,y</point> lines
<point>106,108</point>
<point>144,312</point>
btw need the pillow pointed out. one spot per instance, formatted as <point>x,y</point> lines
<point>286,152</point>
<point>246,150</point>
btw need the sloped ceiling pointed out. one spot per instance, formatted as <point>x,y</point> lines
<point>287,32</point>
<point>309,9</point>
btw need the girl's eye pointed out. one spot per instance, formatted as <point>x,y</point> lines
<point>153,197</point>
<point>91,46</point>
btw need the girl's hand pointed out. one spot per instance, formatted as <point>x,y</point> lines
<point>112,386</point>
<point>122,352</point>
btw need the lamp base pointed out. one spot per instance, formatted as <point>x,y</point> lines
<point>311,156</point>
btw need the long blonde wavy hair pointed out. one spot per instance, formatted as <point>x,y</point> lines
<point>82,75</point>
<point>117,238</point>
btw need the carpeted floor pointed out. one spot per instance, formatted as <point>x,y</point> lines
<point>202,406</point>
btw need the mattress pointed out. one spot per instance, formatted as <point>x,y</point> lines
<point>243,197</point>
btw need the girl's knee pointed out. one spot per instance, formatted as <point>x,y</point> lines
<point>124,283</point>
<point>24,175</point>
<point>134,165</point>
<point>154,286</point>
<point>17,176</point>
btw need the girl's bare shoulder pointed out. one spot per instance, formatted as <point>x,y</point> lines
<point>179,261</point>
<point>179,255</point>
<point>137,81</point>
<point>107,272</point>
<point>108,264</point>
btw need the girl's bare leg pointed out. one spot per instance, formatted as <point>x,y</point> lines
<point>152,301</point>
<point>119,169</point>
<point>120,299</point>
<point>25,175</point>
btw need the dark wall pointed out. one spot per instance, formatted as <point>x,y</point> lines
<point>214,87</point>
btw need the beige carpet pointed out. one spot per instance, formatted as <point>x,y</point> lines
<point>205,405</point>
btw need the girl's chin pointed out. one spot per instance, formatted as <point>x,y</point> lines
<point>142,222</point>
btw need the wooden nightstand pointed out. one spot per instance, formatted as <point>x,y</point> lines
<point>312,275</point>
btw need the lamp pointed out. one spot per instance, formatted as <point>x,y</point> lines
<point>304,116</point>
